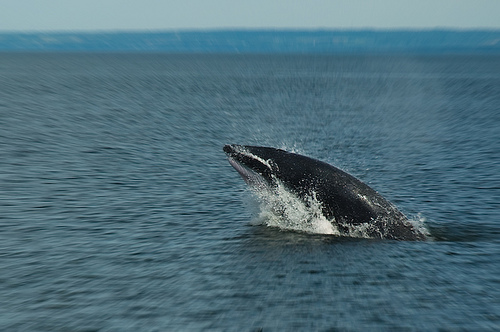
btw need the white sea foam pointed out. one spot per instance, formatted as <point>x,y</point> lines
<point>418,222</point>
<point>281,208</point>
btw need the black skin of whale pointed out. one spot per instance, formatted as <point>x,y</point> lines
<point>345,200</point>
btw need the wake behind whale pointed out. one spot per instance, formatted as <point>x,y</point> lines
<point>302,193</point>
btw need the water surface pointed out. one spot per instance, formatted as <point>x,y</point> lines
<point>120,212</point>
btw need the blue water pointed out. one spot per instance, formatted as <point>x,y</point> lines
<point>120,212</point>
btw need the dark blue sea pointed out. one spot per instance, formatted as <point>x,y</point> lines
<point>120,212</point>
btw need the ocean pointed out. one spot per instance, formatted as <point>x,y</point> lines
<point>120,212</point>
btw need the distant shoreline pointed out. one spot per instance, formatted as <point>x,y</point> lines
<point>285,41</point>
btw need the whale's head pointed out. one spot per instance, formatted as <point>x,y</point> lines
<point>256,165</point>
<point>265,166</point>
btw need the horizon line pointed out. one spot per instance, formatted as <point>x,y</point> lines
<point>251,29</point>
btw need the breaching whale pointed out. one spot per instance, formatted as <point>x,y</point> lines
<point>345,201</point>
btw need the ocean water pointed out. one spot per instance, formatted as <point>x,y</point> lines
<point>120,212</point>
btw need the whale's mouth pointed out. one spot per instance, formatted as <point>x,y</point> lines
<point>251,168</point>
<point>252,178</point>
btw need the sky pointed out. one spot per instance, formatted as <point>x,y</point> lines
<point>106,15</point>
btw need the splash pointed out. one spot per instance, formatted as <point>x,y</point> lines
<point>281,208</point>
<point>419,223</point>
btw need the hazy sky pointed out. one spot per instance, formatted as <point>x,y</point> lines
<point>42,15</point>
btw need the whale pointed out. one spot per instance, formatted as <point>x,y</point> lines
<point>345,201</point>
